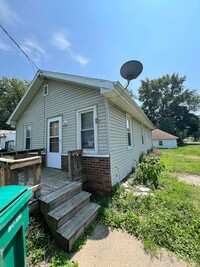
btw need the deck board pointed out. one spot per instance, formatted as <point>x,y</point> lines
<point>51,179</point>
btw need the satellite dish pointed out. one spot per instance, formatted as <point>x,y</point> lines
<point>131,70</point>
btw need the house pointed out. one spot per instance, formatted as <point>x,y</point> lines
<point>162,139</point>
<point>7,140</point>
<point>62,112</point>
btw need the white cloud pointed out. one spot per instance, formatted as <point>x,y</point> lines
<point>4,47</point>
<point>33,50</point>
<point>60,41</point>
<point>82,60</point>
<point>7,15</point>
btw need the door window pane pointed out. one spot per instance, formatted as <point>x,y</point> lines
<point>54,128</point>
<point>54,144</point>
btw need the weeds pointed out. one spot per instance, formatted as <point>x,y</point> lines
<point>168,219</point>
<point>147,172</point>
<point>42,247</point>
<point>81,241</point>
<point>62,260</point>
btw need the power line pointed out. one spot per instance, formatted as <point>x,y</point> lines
<point>29,59</point>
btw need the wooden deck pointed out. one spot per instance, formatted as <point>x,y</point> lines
<point>51,179</point>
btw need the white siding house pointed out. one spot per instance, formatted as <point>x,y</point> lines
<point>61,112</point>
<point>7,139</point>
<point>162,139</point>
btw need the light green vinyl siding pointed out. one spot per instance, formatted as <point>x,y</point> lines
<point>123,158</point>
<point>62,100</point>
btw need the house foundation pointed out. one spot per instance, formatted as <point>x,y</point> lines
<point>97,172</point>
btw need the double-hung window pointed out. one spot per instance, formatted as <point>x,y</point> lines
<point>27,136</point>
<point>129,131</point>
<point>87,129</point>
<point>142,133</point>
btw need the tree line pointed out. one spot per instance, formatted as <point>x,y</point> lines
<point>170,106</point>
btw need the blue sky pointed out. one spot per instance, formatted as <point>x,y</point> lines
<point>95,37</point>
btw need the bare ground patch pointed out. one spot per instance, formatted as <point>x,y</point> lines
<point>188,178</point>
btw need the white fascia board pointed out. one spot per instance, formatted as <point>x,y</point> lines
<point>30,92</point>
<point>92,82</point>
<point>39,78</point>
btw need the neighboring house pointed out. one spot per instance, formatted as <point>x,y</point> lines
<point>163,140</point>
<point>7,140</point>
<point>62,112</point>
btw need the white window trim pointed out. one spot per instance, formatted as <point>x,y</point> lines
<point>128,117</point>
<point>25,125</point>
<point>78,126</point>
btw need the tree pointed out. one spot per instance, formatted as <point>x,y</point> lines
<point>194,127</point>
<point>11,91</point>
<point>168,104</point>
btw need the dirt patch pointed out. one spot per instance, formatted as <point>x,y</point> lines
<point>106,248</point>
<point>187,156</point>
<point>189,178</point>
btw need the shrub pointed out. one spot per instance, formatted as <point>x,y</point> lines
<point>148,171</point>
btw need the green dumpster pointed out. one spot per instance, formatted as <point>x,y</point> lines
<point>14,220</point>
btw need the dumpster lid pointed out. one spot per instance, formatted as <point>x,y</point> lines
<point>10,193</point>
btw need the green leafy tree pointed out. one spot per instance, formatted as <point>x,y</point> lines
<point>168,104</point>
<point>11,91</point>
<point>194,127</point>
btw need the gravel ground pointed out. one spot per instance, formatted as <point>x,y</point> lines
<point>115,248</point>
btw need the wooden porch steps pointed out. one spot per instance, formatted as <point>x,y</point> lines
<point>68,212</point>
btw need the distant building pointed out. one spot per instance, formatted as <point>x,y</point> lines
<point>7,139</point>
<point>162,139</point>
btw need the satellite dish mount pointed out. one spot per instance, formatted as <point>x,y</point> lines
<point>131,70</point>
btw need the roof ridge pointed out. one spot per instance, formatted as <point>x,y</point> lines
<point>73,75</point>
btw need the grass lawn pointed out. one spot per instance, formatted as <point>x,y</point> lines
<point>171,218</point>
<point>183,159</point>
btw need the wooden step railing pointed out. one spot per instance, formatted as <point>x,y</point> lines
<point>75,163</point>
<point>9,169</point>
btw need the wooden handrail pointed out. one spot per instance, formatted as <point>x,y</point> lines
<point>26,152</point>
<point>9,172</point>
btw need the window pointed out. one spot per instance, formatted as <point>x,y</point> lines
<point>160,143</point>
<point>129,130</point>
<point>142,134</point>
<point>87,129</point>
<point>45,90</point>
<point>27,135</point>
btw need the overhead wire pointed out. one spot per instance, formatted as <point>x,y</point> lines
<point>18,46</point>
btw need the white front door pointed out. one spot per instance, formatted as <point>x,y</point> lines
<point>54,142</point>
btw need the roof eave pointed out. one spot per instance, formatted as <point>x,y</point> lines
<point>120,97</point>
<point>95,83</point>
<point>23,103</point>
